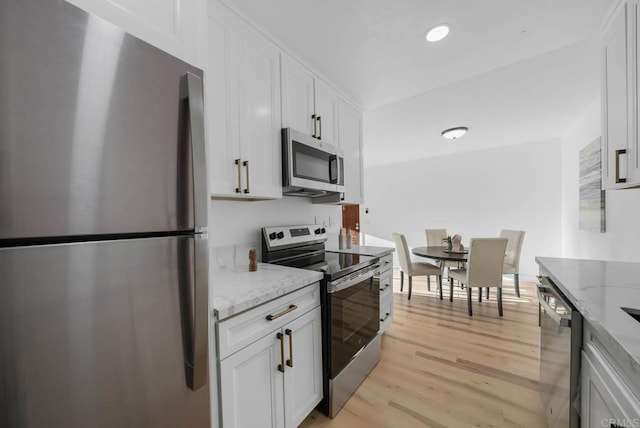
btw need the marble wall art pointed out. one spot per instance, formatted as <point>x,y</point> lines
<point>592,197</point>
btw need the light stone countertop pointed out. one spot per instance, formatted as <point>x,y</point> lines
<point>366,250</point>
<point>236,289</point>
<point>598,289</point>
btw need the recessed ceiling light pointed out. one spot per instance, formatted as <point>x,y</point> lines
<point>437,33</point>
<point>454,133</point>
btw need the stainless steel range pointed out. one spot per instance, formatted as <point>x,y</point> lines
<point>349,301</point>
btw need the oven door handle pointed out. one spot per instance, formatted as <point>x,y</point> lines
<point>562,321</point>
<point>339,285</point>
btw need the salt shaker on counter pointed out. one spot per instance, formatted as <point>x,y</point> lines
<point>341,239</point>
<point>253,264</point>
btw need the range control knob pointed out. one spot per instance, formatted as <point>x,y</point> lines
<point>318,231</point>
<point>280,235</point>
<point>272,235</point>
<point>324,230</point>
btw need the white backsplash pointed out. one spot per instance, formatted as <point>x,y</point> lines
<point>235,226</point>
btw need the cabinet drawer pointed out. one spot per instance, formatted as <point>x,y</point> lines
<point>386,263</point>
<point>386,313</point>
<point>385,283</point>
<point>609,351</point>
<point>237,332</point>
<point>619,394</point>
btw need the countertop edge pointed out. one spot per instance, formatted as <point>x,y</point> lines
<point>307,277</point>
<point>588,316</point>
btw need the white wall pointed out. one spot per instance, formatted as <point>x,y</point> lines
<point>620,241</point>
<point>473,194</point>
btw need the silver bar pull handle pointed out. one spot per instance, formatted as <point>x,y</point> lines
<point>618,153</point>
<point>315,125</point>
<point>191,92</point>
<point>320,127</point>
<point>246,164</point>
<point>194,300</point>
<point>386,317</point>
<point>197,273</point>
<point>559,319</point>
<point>239,164</point>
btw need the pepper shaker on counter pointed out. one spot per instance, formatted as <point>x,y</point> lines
<point>341,239</point>
<point>253,264</point>
<point>349,238</point>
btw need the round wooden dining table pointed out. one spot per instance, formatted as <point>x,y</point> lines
<point>441,254</point>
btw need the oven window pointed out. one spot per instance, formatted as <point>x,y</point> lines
<point>354,322</point>
<point>310,163</point>
<point>355,313</point>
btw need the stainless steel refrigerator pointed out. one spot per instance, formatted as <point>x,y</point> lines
<point>103,214</point>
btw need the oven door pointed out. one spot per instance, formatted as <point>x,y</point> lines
<point>309,163</point>
<point>353,312</point>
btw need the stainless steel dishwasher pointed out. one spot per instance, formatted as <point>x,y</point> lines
<point>560,344</point>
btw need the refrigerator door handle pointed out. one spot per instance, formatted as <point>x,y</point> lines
<point>197,360</point>
<point>191,90</point>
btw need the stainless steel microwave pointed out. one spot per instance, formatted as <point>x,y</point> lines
<point>310,167</point>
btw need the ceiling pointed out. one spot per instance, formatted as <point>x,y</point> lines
<point>513,71</point>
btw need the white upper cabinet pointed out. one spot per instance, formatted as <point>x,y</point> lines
<point>243,105</point>
<point>175,26</point>
<point>350,141</point>
<point>619,77</point>
<point>298,106</point>
<point>308,104</point>
<point>326,112</point>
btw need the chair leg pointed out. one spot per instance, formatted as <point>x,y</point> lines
<point>410,277</point>
<point>487,296</point>
<point>469,301</point>
<point>516,283</point>
<point>428,283</point>
<point>451,290</point>
<point>500,301</point>
<point>480,294</point>
<point>401,280</point>
<point>439,281</point>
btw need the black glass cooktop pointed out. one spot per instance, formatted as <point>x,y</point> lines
<point>336,265</point>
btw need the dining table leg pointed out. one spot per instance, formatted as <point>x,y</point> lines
<point>439,280</point>
<point>450,290</point>
<point>487,296</point>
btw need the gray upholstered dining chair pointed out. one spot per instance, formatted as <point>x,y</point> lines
<point>413,268</point>
<point>512,256</point>
<point>484,268</point>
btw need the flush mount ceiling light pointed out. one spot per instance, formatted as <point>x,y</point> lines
<point>454,133</point>
<point>437,33</point>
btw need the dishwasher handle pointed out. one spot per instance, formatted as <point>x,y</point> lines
<point>543,292</point>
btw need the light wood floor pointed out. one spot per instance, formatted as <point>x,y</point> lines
<point>441,368</point>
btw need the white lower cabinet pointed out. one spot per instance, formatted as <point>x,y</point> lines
<point>275,381</point>
<point>606,401</point>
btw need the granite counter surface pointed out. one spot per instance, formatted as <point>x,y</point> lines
<point>366,250</point>
<point>598,289</point>
<point>236,289</point>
